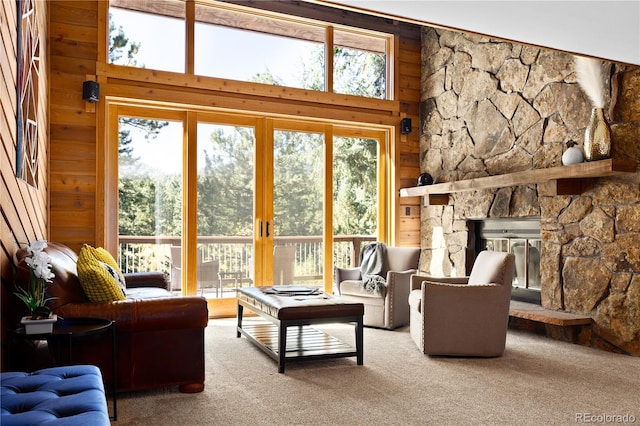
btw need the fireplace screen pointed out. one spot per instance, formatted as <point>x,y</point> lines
<point>522,238</point>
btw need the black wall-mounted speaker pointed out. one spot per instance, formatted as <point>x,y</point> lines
<point>91,91</point>
<point>405,126</point>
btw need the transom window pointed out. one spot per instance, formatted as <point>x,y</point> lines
<point>240,43</point>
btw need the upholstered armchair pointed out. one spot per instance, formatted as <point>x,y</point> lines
<point>388,308</point>
<point>465,316</point>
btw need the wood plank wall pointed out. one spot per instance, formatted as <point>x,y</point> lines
<point>23,207</point>
<point>74,51</point>
<point>73,37</point>
<point>407,155</point>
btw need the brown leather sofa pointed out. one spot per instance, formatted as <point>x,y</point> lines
<point>159,337</point>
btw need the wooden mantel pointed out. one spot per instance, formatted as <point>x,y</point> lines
<point>567,179</point>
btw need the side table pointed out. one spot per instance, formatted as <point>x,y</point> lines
<point>68,330</point>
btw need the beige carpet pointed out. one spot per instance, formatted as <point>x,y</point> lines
<point>538,381</point>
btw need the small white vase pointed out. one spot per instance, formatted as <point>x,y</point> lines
<point>573,155</point>
<point>40,326</point>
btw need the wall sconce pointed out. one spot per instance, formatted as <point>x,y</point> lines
<point>91,91</point>
<point>405,126</point>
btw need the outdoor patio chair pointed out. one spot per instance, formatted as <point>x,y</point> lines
<point>208,272</point>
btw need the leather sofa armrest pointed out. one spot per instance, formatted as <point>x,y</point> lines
<point>140,314</point>
<point>147,279</point>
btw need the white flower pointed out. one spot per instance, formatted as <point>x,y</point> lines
<point>36,246</point>
<point>40,264</point>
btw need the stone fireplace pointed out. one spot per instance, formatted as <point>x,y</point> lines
<point>490,107</point>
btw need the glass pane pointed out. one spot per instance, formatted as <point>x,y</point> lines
<point>527,271</point>
<point>225,208</point>
<point>146,40</point>
<point>264,58</point>
<point>359,72</point>
<point>534,264</point>
<point>355,197</point>
<point>150,195</point>
<point>298,188</point>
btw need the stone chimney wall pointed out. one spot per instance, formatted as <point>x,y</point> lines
<point>491,107</point>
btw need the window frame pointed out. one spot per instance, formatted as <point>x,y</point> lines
<point>290,26</point>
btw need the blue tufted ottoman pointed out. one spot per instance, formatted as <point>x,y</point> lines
<point>71,395</point>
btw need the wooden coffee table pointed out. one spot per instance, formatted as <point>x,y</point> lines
<point>288,335</point>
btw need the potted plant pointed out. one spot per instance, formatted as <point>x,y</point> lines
<point>41,319</point>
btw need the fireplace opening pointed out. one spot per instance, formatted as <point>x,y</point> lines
<point>520,236</point>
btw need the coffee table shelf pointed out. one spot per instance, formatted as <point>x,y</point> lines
<point>302,342</point>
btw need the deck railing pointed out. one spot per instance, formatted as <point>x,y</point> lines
<point>235,254</point>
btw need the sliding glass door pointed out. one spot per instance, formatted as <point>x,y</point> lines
<point>358,181</point>
<point>225,208</point>
<point>220,201</point>
<point>150,193</point>
<point>298,207</point>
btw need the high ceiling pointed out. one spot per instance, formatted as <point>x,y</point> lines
<point>604,29</point>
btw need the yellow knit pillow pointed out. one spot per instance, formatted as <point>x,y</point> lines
<point>104,256</point>
<point>97,282</point>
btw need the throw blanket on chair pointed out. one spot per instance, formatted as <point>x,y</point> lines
<point>371,267</point>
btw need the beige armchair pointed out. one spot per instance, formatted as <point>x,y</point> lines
<point>390,308</point>
<point>466,316</point>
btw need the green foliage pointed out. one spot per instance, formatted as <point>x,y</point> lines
<point>267,78</point>
<point>298,183</point>
<point>313,76</point>
<point>226,184</point>
<point>35,300</point>
<point>359,73</point>
<point>355,186</point>
<point>121,50</point>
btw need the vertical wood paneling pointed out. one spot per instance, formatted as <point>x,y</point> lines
<point>407,155</point>
<point>73,37</point>
<point>23,208</point>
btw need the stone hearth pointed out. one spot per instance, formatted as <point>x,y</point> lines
<point>490,107</point>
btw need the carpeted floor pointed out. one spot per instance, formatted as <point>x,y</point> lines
<point>538,381</point>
